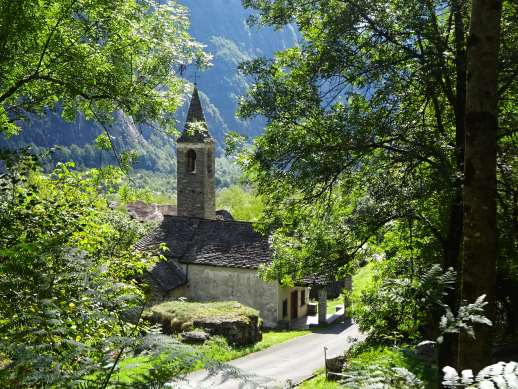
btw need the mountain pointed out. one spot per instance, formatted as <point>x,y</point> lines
<point>221,25</point>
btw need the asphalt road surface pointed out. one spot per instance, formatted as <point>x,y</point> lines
<point>280,365</point>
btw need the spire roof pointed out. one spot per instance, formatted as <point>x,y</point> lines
<point>195,129</point>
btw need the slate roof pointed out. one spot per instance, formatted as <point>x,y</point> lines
<point>223,214</point>
<point>221,243</point>
<point>168,275</point>
<point>316,280</point>
<point>195,115</point>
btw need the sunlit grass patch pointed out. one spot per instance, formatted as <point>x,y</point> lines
<point>215,349</point>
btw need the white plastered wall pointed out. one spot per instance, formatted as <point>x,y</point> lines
<point>285,294</point>
<point>211,283</point>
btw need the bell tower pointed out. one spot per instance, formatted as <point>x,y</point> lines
<point>195,165</point>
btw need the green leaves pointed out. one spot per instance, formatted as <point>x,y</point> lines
<point>401,300</point>
<point>7,127</point>
<point>67,272</point>
<point>103,142</point>
<point>94,57</point>
<point>467,316</point>
<point>361,156</point>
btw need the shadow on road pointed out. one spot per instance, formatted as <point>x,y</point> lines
<point>334,328</point>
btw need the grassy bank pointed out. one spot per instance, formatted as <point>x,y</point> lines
<point>373,364</point>
<point>362,280</point>
<point>331,304</point>
<point>177,316</point>
<point>319,382</point>
<point>215,349</point>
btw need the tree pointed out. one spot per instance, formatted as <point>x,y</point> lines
<point>94,57</point>
<point>240,202</point>
<point>480,230</point>
<point>70,300</point>
<point>367,116</point>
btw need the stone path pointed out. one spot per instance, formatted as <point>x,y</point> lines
<point>289,362</point>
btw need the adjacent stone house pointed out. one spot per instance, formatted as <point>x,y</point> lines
<point>212,257</point>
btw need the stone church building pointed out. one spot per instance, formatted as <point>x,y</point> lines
<point>212,257</point>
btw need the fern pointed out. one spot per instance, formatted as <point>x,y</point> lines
<point>378,377</point>
<point>502,375</point>
<point>464,320</point>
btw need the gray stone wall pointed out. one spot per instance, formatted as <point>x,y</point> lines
<point>322,306</point>
<point>210,283</point>
<point>196,189</point>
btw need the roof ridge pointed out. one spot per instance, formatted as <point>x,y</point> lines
<point>215,220</point>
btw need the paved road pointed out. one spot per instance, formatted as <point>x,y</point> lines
<point>294,360</point>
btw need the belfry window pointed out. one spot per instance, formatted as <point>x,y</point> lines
<point>191,161</point>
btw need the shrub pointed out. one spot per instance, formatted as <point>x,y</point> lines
<point>67,280</point>
<point>395,305</point>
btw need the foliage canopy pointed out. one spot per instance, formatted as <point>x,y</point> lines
<point>94,57</point>
<point>364,142</point>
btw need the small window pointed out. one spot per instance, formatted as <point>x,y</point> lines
<point>191,161</point>
<point>303,297</point>
<point>285,308</point>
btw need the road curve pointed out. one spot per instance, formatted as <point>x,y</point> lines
<point>292,361</point>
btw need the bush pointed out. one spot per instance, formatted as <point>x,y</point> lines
<point>393,367</point>
<point>67,280</point>
<point>396,304</point>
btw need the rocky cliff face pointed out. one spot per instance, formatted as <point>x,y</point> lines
<point>221,25</point>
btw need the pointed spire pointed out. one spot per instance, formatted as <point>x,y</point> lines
<point>195,110</point>
<point>198,132</point>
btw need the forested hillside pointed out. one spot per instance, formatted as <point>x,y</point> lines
<point>221,26</point>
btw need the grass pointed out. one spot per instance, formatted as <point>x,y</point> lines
<point>183,310</point>
<point>382,357</point>
<point>215,349</point>
<point>319,382</point>
<point>218,350</point>
<point>363,279</point>
<point>177,316</point>
<point>180,315</point>
<point>331,304</point>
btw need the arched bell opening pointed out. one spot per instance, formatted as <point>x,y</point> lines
<point>191,161</point>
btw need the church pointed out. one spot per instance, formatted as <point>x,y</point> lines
<point>210,256</point>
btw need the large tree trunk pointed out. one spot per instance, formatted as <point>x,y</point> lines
<point>452,247</point>
<point>448,348</point>
<point>479,229</point>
